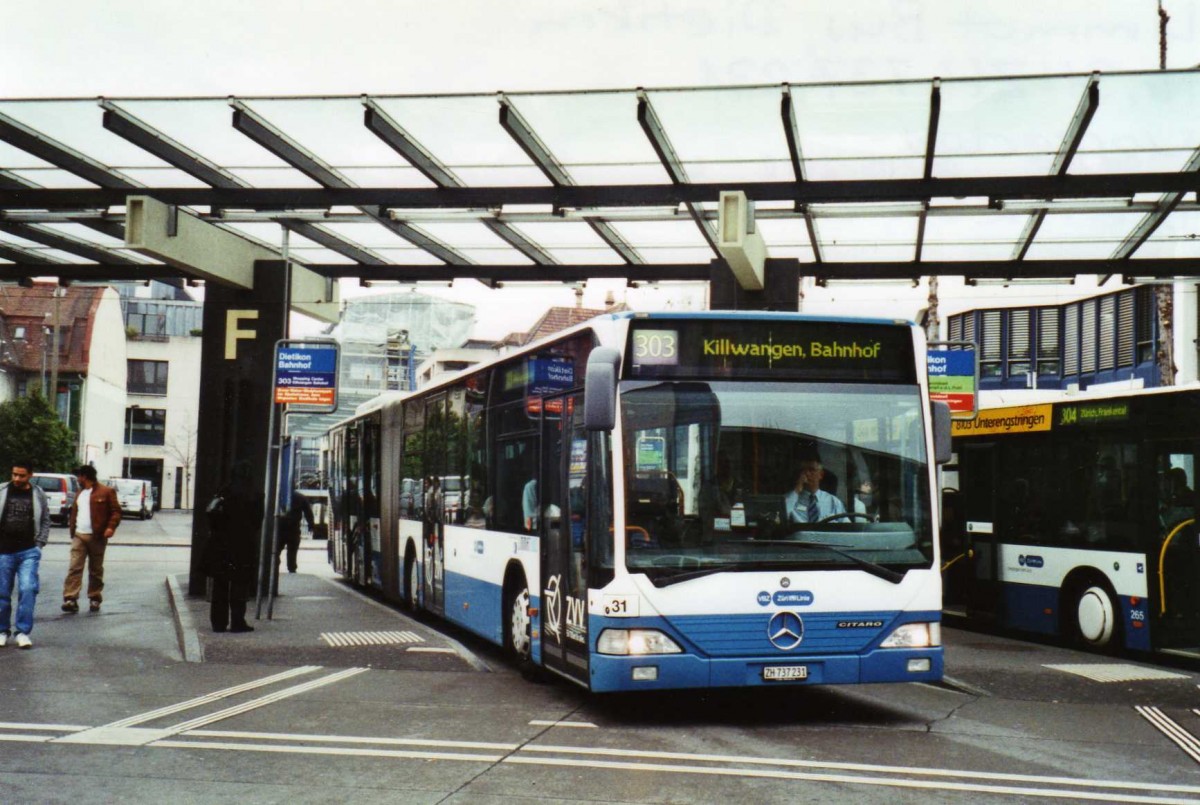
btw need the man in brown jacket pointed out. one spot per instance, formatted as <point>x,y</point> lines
<point>95,516</point>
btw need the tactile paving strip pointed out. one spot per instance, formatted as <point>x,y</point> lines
<point>344,639</point>
<point>1117,672</point>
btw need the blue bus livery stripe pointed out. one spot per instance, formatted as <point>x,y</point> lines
<point>1034,608</point>
<point>758,315</point>
<point>746,635</point>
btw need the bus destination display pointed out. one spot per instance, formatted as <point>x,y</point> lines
<point>791,350</point>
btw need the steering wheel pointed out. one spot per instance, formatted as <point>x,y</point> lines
<point>848,516</point>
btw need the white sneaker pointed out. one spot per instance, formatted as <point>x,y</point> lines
<point>3,639</point>
<point>23,641</point>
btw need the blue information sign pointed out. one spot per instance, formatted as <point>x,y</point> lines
<point>306,374</point>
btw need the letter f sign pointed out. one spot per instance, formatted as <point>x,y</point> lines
<point>233,333</point>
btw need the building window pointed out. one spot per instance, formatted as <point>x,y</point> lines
<point>1108,332</point>
<point>1071,340</point>
<point>1018,343</point>
<point>147,377</point>
<point>149,426</point>
<point>19,333</point>
<point>1087,338</point>
<point>1049,351</point>
<point>989,334</point>
<point>1145,319</point>
<point>1125,354</point>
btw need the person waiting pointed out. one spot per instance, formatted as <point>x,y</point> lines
<point>808,502</point>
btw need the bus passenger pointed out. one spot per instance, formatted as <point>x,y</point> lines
<point>529,505</point>
<point>1177,497</point>
<point>808,502</point>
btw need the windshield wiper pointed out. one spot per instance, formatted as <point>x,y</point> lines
<point>885,573</point>
<point>667,581</point>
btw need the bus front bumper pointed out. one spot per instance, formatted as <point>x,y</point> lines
<point>668,671</point>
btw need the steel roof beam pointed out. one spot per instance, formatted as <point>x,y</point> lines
<point>20,254</point>
<point>28,262</point>
<point>258,129</point>
<point>383,126</point>
<point>661,143</point>
<point>935,114</point>
<point>92,272</point>
<point>150,139</point>
<point>34,142</point>
<point>1151,221</point>
<point>791,132</point>
<point>333,241</point>
<point>1084,113</point>
<point>855,191</point>
<point>67,243</point>
<point>525,137</point>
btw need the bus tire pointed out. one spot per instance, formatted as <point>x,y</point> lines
<point>518,626</point>
<point>411,579</point>
<point>1094,616</point>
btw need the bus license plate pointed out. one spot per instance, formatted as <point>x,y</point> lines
<point>784,673</point>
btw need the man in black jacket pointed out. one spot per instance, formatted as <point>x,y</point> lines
<point>289,527</point>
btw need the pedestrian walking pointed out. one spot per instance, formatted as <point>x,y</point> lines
<point>24,531</point>
<point>289,527</point>
<point>231,552</point>
<point>95,515</point>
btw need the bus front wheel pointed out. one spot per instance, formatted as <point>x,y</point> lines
<point>1095,616</point>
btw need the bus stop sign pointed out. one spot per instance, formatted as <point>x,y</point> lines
<point>306,374</point>
<point>954,378</point>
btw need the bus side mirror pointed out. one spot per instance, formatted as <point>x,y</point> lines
<point>600,390</point>
<point>941,432</point>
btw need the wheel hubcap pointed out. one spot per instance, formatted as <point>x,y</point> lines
<point>520,623</point>
<point>1095,616</point>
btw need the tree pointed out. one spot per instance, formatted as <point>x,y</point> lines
<point>30,430</point>
<point>183,449</point>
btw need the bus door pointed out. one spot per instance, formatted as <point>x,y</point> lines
<point>433,520</point>
<point>1175,555</point>
<point>563,502</point>
<point>977,482</point>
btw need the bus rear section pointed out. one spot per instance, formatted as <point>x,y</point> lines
<point>1076,520</point>
<point>777,522</point>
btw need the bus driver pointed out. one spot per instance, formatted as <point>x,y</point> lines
<point>808,502</point>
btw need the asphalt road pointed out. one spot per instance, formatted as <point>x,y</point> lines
<point>340,698</point>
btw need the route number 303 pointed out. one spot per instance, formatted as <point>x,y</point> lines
<point>656,346</point>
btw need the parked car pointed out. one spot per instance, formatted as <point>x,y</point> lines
<point>60,492</point>
<point>136,496</point>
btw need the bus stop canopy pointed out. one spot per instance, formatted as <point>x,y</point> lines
<point>1021,178</point>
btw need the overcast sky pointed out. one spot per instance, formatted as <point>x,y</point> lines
<point>84,48</point>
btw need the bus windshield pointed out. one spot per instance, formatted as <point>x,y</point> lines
<point>738,476</point>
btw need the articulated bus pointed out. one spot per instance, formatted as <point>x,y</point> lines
<point>1075,519</point>
<point>619,504</point>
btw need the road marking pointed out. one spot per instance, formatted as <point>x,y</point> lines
<point>329,750</point>
<point>893,782</point>
<point>125,735</point>
<point>342,639</point>
<point>430,650</point>
<point>865,767</point>
<point>212,697</point>
<point>353,739</point>
<point>16,725</point>
<point>1170,728</point>
<point>1116,672</point>
<point>541,723</point>
<point>263,701</point>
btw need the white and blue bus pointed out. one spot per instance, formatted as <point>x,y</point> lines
<point>1074,518</point>
<point>630,501</point>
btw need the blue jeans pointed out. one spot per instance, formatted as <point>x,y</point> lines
<point>22,567</point>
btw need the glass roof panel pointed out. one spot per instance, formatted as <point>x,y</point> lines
<point>78,125</point>
<point>1177,236</point>
<point>786,237</point>
<point>163,177</point>
<point>867,252</point>
<point>86,233</point>
<point>594,136</point>
<point>966,251</point>
<point>274,177</point>
<point>1004,117</point>
<point>410,256</point>
<point>13,157</point>
<point>378,176</point>
<point>53,178</point>
<point>1140,112</point>
<point>1091,236</point>
<point>844,231</point>
<point>708,124</point>
<point>950,232</point>
<point>466,235</point>
<point>460,132</point>
<point>850,168</point>
<point>876,120</point>
<point>586,255</point>
<point>652,238</point>
<point>567,234</point>
<point>497,257</point>
<point>371,236</point>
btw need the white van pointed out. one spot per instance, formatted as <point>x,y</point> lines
<point>60,492</point>
<point>136,496</point>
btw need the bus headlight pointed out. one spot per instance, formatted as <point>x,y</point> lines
<point>914,635</point>
<point>627,642</point>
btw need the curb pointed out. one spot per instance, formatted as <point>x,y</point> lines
<point>185,629</point>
